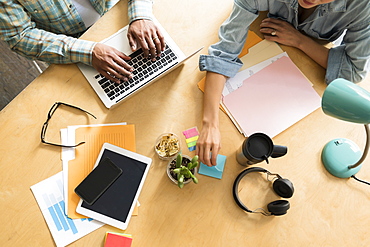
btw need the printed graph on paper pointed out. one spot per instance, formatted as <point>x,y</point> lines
<point>49,196</point>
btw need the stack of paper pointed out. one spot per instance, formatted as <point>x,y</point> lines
<point>79,162</point>
<point>273,99</point>
<point>55,195</point>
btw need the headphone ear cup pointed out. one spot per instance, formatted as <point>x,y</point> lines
<point>279,207</point>
<point>283,187</point>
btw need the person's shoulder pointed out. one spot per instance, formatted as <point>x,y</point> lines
<point>359,8</point>
<point>260,2</point>
<point>354,4</point>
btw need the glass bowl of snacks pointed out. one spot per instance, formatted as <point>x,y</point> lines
<point>167,146</point>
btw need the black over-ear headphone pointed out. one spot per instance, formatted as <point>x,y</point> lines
<point>282,187</point>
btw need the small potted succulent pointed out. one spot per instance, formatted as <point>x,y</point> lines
<point>182,169</point>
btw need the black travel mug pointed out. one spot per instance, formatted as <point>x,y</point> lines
<point>258,147</point>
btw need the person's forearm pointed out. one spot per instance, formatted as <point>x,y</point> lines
<point>212,95</point>
<point>209,142</point>
<point>314,50</point>
<point>286,34</point>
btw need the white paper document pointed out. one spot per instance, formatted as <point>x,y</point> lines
<point>49,196</point>
<point>237,81</point>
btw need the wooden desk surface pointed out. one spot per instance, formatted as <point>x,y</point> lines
<point>325,211</point>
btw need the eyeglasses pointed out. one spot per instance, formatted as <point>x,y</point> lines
<point>50,114</point>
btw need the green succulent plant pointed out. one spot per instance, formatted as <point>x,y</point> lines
<point>185,171</point>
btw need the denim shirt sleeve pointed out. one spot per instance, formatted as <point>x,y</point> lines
<point>223,56</point>
<point>351,60</point>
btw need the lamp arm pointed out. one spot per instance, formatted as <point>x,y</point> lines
<point>366,150</point>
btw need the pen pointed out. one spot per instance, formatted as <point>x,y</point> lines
<point>232,119</point>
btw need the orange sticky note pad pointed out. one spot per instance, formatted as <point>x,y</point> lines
<point>117,240</point>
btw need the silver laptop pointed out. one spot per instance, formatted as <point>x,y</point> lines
<point>145,70</point>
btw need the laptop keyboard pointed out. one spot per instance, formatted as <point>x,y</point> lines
<point>144,69</point>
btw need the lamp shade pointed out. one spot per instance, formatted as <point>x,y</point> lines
<point>347,101</point>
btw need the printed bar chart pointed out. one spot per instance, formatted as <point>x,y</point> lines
<point>49,196</point>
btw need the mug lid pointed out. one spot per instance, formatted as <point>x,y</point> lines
<point>258,146</point>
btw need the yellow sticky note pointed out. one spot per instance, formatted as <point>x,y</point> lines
<point>192,139</point>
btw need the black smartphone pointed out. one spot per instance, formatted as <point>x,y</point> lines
<point>98,181</point>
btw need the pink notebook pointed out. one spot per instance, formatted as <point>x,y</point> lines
<point>273,99</point>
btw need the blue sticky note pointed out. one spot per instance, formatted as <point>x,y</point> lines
<point>214,171</point>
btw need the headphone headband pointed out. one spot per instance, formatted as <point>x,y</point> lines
<point>282,187</point>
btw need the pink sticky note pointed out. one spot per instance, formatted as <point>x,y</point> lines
<point>191,132</point>
<point>117,240</point>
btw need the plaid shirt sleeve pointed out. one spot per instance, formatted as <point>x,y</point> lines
<point>23,37</point>
<point>139,9</point>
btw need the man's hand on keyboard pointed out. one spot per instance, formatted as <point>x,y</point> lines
<point>110,62</point>
<point>146,34</point>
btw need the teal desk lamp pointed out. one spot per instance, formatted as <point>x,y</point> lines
<point>347,101</point>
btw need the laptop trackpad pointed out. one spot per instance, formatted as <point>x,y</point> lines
<point>120,42</point>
